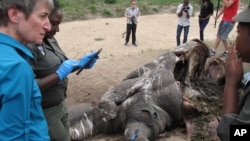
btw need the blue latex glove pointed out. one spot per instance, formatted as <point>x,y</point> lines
<point>66,68</point>
<point>84,60</point>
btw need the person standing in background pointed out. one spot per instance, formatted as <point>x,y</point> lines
<point>184,11</point>
<point>206,11</point>
<point>51,68</point>
<point>132,14</point>
<point>21,115</point>
<point>229,10</point>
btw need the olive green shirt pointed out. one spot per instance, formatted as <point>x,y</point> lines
<point>47,59</point>
<point>243,117</point>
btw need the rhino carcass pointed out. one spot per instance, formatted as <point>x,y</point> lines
<point>149,101</point>
<point>202,86</point>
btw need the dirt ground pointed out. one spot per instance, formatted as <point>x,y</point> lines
<point>156,34</point>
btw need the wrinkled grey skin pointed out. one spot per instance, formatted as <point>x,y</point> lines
<point>77,114</point>
<point>149,100</point>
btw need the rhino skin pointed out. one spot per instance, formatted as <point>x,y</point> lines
<point>80,120</point>
<point>149,100</point>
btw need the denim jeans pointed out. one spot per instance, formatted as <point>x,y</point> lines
<point>224,29</point>
<point>202,25</point>
<point>179,30</point>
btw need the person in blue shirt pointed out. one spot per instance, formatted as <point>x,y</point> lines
<point>21,115</point>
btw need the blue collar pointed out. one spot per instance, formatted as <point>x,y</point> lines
<point>13,43</point>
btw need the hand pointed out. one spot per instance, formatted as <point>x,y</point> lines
<point>216,17</point>
<point>234,69</point>
<point>202,19</point>
<point>66,68</point>
<point>84,60</point>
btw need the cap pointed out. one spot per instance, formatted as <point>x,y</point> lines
<point>243,16</point>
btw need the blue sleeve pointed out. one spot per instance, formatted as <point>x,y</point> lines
<point>15,93</point>
<point>21,115</point>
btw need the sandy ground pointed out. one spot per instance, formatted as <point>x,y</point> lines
<point>155,34</point>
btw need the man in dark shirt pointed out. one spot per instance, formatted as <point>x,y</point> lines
<point>206,12</point>
<point>236,110</point>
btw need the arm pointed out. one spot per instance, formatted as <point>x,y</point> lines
<point>15,100</point>
<point>188,15</point>
<point>234,74</point>
<point>138,16</point>
<point>211,11</point>
<point>208,16</point>
<point>220,13</point>
<point>228,3</point>
<point>67,67</point>
<point>47,81</point>
<point>190,11</point>
<point>179,11</point>
<point>126,15</point>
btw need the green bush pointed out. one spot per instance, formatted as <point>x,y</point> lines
<point>107,13</point>
<point>78,9</point>
<point>93,8</point>
<point>110,1</point>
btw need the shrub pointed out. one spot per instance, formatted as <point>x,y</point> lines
<point>107,13</point>
<point>110,1</point>
<point>93,8</point>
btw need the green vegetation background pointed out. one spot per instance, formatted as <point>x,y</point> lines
<point>88,9</point>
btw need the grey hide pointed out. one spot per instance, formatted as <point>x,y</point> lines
<point>149,100</point>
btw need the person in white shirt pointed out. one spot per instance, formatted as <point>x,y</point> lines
<point>184,11</point>
<point>132,14</point>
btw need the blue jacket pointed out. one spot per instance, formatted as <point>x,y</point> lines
<point>21,115</point>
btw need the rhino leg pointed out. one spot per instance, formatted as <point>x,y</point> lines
<point>81,122</point>
<point>107,109</point>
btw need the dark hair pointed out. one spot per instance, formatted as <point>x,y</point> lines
<point>245,25</point>
<point>26,6</point>
<point>56,6</point>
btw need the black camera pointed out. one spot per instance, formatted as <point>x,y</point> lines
<point>185,7</point>
<point>133,20</point>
